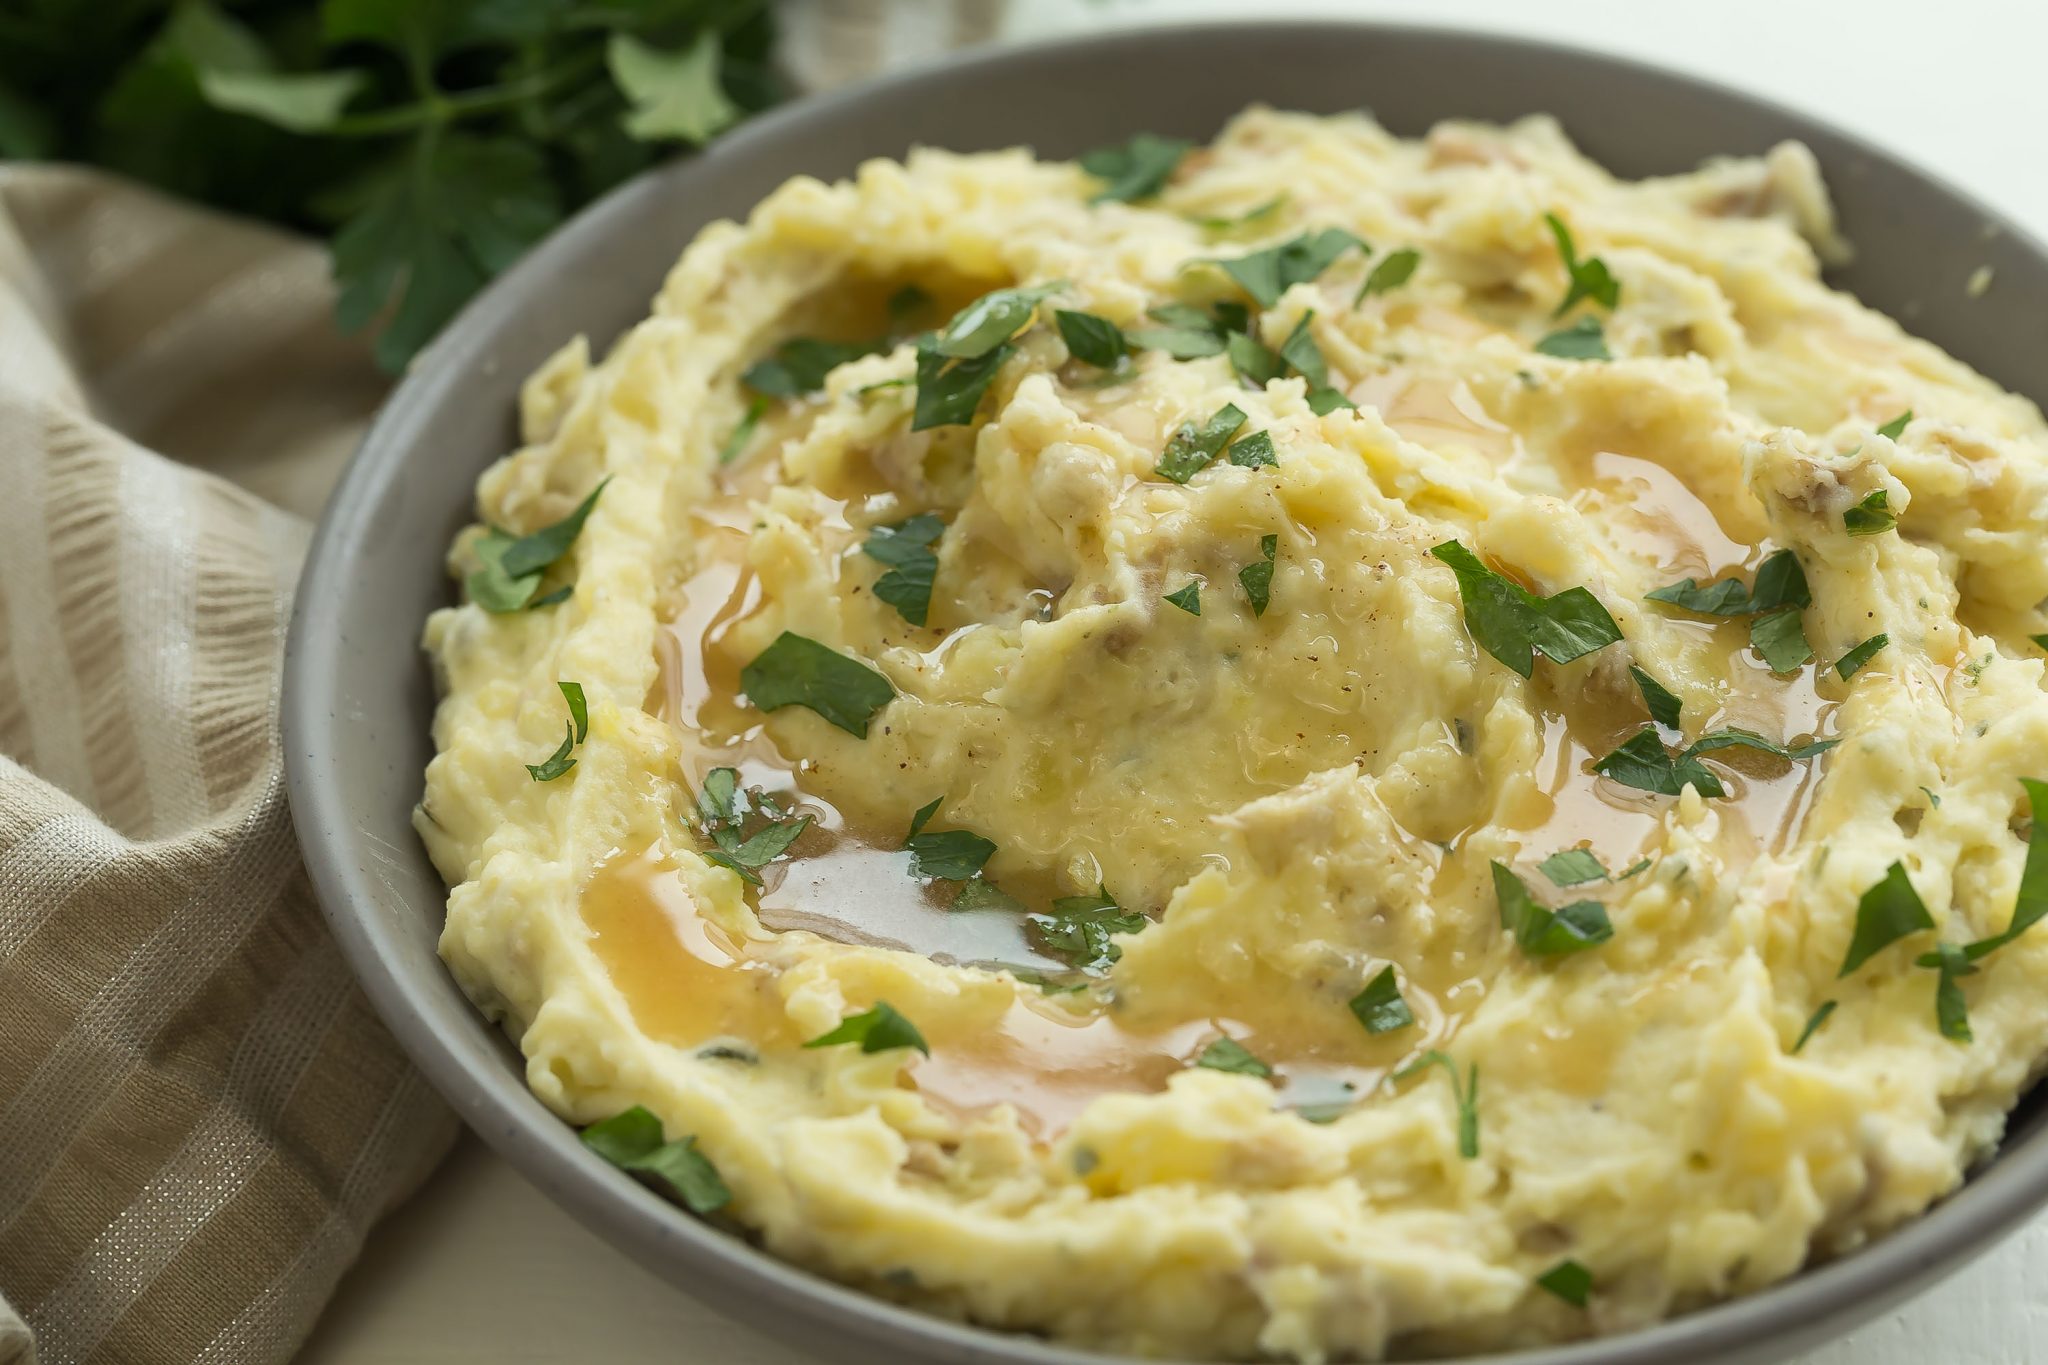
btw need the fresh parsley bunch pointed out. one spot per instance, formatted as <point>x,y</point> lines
<point>436,140</point>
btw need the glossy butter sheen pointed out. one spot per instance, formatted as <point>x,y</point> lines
<point>1301,798</point>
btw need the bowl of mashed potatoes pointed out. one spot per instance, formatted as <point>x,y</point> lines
<point>1157,715</point>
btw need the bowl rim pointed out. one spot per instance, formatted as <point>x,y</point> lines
<point>2003,1192</point>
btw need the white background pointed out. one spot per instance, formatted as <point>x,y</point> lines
<point>482,1268</point>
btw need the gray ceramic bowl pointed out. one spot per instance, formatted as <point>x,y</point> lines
<point>357,690</point>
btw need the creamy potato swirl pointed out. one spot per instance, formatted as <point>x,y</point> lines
<point>1296,799</point>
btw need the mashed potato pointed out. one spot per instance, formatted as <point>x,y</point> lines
<point>1393,929</point>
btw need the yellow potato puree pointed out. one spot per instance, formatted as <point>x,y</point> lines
<point>1310,1046</point>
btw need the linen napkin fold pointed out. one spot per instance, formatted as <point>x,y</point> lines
<point>200,1116</point>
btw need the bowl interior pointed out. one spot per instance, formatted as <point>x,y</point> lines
<point>358,695</point>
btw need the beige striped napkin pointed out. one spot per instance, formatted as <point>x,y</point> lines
<point>199,1115</point>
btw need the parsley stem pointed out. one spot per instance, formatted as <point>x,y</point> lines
<point>490,99</point>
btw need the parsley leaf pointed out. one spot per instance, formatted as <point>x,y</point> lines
<point>876,1030</point>
<point>1780,582</point>
<point>1542,932</point>
<point>1393,271</point>
<point>1465,1094</point>
<point>1189,598</point>
<point>1590,278</point>
<point>1231,221</point>
<point>1583,340</point>
<point>1734,737</point>
<point>1253,452</point>
<point>1573,867</point>
<point>579,710</point>
<point>1514,625</point>
<point>1645,764</point>
<point>1780,637</point>
<point>671,95</point>
<point>718,798</point>
<point>1568,1280</point>
<point>1847,665</point>
<point>558,762</point>
<point>905,548</point>
<point>1887,912</point>
<point>1813,1023</point>
<point>1138,169</point>
<point>1095,340</point>
<point>1379,1005</point>
<point>979,893</point>
<point>1192,447</point>
<point>992,319</point>
<point>1227,1054</point>
<point>720,818</point>
<point>1268,274</point>
<point>632,1141</point>
<point>797,671</point>
<point>1872,516</point>
<point>1256,363</point>
<point>1189,333</point>
<point>742,432</point>
<point>1079,929</point>
<point>801,364</point>
<point>948,391</point>
<point>1322,402</point>
<point>1303,356</point>
<point>2032,901</point>
<point>1257,577</point>
<point>1665,707</point>
<point>953,855</point>
<point>511,567</point>
<point>1951,1009</point>
<point>1896,428</point>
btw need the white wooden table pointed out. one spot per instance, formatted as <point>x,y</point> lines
<point>481,1267</point>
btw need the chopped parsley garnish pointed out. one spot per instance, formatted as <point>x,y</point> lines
<point>1393,271</point>
<point>1847,665</point>
<point>632,1141</point>
<point>1813,1023</point>
<point>1227,1054</point>
<point>1896,428</point>
<point>1639,865</point>
<point>1590,277</point>
<point>991,320</point>
<point>1464,1092</point>
<point>720,817</point>
<point>1092,339</point>
<point>906,549</point>
<point>1573,867</point>
<point>953,855</point>
<point>1192,447</point>
<point>1645,764</point>
<point>1542,932</point>
<point>1514,625</point>
<point>1665,707</point>
<point>1379,1005</point>
<point>742,432</point>
<point>1137,169</point>
<point>1253,452</point>
<point>1079,929</point>
<point>1255,362</point>
<point>1268,274</point>
<point>1780,636</point>
<point>1887,912</point>
<point>1231,221</point>
<point>1189,598</point>
<point>1585,339</point>
<point>1323,402</point>
<point>1567,1280</point>
<point>1951,1009</point>
<point>1189,333</point>
<point>876,1030</point>
<point>578,729</point>
<point>949,391</point>
<point>979,893</point>
<point>801,364</point>
<point>1871,516</point>
<point>1303,355</point>
<point>1257,577</point>
<point>511,567</point>
<point>1780,582</point>
<point>798,671</point>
